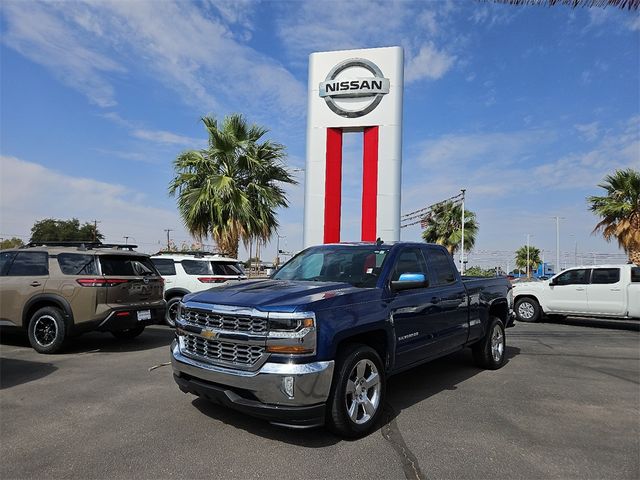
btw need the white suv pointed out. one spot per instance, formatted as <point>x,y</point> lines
<point>192,272</point>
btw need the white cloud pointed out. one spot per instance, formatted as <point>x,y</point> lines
<point>357,24</point>
<point>588,131</point>
<point>428,63</point>
<point>188,48</point>
<point>162,136</point>
<point>479,148</point>
<point>34,30</point>
<point>31,192</point>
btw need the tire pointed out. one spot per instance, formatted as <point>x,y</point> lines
<point>527,310</point>
<point>357,392</point>
<point>172,311</point>
<point>47,330</point>
<point>128,333</point>
<point>489,352</point>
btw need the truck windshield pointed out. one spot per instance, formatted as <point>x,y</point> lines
<point>358,265</point>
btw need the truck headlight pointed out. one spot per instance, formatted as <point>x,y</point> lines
<point>292,333</point>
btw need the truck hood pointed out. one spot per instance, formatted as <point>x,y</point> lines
<point>273,295</point>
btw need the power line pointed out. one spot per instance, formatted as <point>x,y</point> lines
<point>418,216</point>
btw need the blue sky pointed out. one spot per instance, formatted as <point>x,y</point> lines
<point>526,107</point>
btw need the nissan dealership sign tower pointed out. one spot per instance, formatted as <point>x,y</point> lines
<point>354,91</point>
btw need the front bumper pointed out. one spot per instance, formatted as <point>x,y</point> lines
<point>261,393</point>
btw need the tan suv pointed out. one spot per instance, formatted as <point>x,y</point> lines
<point>62,289</point>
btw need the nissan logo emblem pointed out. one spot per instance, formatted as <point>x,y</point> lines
<point>362,87</point>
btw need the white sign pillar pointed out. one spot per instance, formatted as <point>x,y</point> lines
<point>354,91</point>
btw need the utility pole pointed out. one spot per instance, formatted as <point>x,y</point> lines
<point>126,239</point>
<point>462,243</point>
<point>95,230</point>
<point>168,239</point>
<point>557,243</point>
<point>528,239</point>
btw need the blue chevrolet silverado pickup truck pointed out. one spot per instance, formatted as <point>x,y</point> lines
<point>316,343</point>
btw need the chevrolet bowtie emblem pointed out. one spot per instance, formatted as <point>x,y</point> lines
<point>208,334</point>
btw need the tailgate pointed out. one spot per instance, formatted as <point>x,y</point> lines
<point>132,280</point>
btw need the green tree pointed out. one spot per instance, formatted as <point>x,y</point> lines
<point>230,191</point>
<point>480,272</point>
<point>619,210</point>
<point>534,258</point>
<point>11,243</point>
<point>444,227</point>
<point>53,230</point>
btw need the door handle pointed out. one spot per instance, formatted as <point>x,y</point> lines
<point>35,283</point>
<point>615,289</point>
<point>436,299</point>
<point>579,289</point>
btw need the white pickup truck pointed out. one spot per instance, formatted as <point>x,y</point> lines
<point>611,291</point>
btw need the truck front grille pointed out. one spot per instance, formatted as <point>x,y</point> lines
<point>224,321</point>
<point>222,351</point>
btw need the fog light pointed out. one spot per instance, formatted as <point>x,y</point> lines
<point>288,386</point>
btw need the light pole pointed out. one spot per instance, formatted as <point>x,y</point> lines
<point>462,242</point>
<point>278,249</point>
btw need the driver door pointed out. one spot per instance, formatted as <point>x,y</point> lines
<point>409,310</point>
<point>568,294</point>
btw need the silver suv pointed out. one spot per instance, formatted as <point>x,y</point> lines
<point>188,272</point>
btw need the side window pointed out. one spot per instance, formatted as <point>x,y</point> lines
<point>197,267</point>
<point>573,277</point>
<point>443,269</point>
<point>409,261</point>
<point>605,275</point>
<point>5,261</point>
<point>635,274</point>
<point>76,264</point>
<point>29,264</point>
<point>165,266</point>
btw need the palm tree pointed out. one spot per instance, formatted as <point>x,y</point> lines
<point>620,211</point>
<point>534,258</point>
<point>444,227</point>
<point>231,190</point>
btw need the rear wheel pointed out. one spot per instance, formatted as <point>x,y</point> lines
<point>47,330</point>
<point>357,393</point>
<point>129,332</point>
<point>527,310</point>
<point>489,352</point>
<point>172,311</point>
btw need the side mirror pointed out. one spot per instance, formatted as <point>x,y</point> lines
<point>408,281</point>
<point>553,282</point>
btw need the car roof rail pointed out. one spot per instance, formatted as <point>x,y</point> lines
<point>196,254</point>
<point>80,245</point>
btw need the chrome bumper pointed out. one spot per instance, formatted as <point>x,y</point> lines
<point>312,381</point>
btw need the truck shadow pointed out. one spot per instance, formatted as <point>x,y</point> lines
<point>403,391</point>
<point>152,337</point>
<point>633,325</point>
<point>16,372</point>
<point>413,386</point>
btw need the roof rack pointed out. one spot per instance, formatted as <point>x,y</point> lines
<point>81,245</point>
<point>190,252</point>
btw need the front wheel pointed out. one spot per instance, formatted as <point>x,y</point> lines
<point>527,310</point>
<point>357,393</point>
<point>489,352</point>
<point>128,333</point>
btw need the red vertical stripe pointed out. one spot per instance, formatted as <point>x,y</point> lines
<point>370,184</point>
<point>333,186</point>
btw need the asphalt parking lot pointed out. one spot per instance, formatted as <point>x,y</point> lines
<point>566,405</point>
